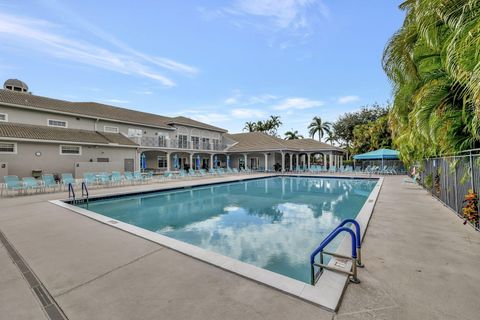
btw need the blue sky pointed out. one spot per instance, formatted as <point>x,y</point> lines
<point>222,62</point>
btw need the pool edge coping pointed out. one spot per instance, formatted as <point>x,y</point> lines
<point>330,288</point>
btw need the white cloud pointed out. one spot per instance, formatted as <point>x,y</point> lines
<point>211,117</point>
<point>242,100</point>
<point>347,99</point>
<point>46,37</point>
<point>146,92</point>
<point>298,104</point>
<point>243,113</point>
<point>231,100</point>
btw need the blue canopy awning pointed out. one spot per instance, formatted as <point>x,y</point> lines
<point>378,155</point>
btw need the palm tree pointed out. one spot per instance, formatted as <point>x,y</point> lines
<point>318,126</point>
<point>292,135</point>
<point>250,126</point>
<point>432,62</point>
<point>331,138</point>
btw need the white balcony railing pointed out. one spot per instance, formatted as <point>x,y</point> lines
<point>160,142</point>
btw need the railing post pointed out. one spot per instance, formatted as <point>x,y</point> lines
<point>472,175</point>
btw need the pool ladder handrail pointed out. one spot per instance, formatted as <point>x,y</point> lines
<point>71,192</point>
<point>356,256</point>
<point>84,191</point>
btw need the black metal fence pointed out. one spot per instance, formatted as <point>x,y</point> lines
<point>451,178</point>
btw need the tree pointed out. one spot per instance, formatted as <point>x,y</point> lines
<point>319,126</point>
<point>269,126</point>
<point>346,123</point>
<point>432,62</point>
<point>372,136</point>
<point>250,126</point>
<point>292,135</point>
<point>331,137</point>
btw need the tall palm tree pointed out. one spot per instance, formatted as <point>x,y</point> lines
<point>292,135</point>
<point>331,138</point>
<point>319,126</point>
<point>250,126</point>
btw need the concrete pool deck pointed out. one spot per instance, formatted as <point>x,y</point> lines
<point>421,263</point>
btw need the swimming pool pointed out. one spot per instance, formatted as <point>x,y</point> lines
<point>273,223</point>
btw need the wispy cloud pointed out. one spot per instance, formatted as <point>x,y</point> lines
<point>297,103</point>
<point>240,99</point>
<point>294,19</point>
<point>143,92</point>
<point>49,38</point>
<point>243,113</point>
<point>347,99</point>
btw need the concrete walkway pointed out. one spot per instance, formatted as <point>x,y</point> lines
<point>98,272</point>
<point>421,261</point>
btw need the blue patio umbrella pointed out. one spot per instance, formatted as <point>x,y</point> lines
<point>175,161</point>
<point>143,161</point>
<point>198,161</point>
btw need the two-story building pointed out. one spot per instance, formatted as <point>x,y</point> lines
<point>45,135</point>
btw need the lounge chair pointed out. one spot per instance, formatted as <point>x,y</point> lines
<point>12,183</point>
<point>129,177</point>
<point>148,176</point>
<point>167,175</point>
<point>235,170</point>
<point>137,176</point>
<point>116,178</point>
<point>30,183</point>
<point>333,168</point>
<point>67,178</point>
<point>49,182</point>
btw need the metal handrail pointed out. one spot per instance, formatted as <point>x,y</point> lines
<point>84,190</point>
<point>71,191</point>
<point>355,254</point>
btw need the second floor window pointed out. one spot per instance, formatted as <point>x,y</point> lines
<point>206,143</point>
<point>57,123</point>
<point>216,144</point>
<point>195,143</point>
<point>183,141</point>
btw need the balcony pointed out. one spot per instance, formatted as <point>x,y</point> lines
<point>160,142</point>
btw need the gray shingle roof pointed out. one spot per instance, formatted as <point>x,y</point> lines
<point>258,141</point>
<point>27,131</point>
<point>98,110</point>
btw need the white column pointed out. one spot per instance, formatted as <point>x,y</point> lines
<point>283,162</point>
<point>297,159</point>
<point>291,162</point>
<point>341,160</point>
<point>266,162</point>
<point>245,156</point>
<point>330,158</point>
<point>308,160</point>
<point>168,161</point>
<point>228,161</point>
<point>191,160</point>
<point>211,161</point>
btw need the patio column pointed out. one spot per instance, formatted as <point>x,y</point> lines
<point>211,161</point>
<point>283,162</point>
<point>291,162</point>
<point>191,160</point>
<point>168,160</point>
<point>330,158</point>
<point>308,160</point>
<point>245,156</point>
<point>297,156</point>
<point>266,161</point>
<point>228,161</point>
<point>341,160</point>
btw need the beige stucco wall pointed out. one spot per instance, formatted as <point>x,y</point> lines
<point>50,161</point>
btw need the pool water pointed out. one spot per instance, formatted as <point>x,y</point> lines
<point>273,223</point>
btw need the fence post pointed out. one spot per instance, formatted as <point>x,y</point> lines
<point>472,176</point>
<point>455,185</point>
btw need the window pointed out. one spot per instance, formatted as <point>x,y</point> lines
<point>216,144</point>
<point>135,132</point>
<point>183,141</point>
<point>103,160</point>
<point>3,117</point>
<point>162,141</point>
<point>195,143</point>
<point>162,162</point>
<point>70,150</point>
<point>8,147</point>
<point>110,129</point>
<point>57,123</point>
<point>206,143</point>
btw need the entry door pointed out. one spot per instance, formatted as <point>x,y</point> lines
<point>128,165</point>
